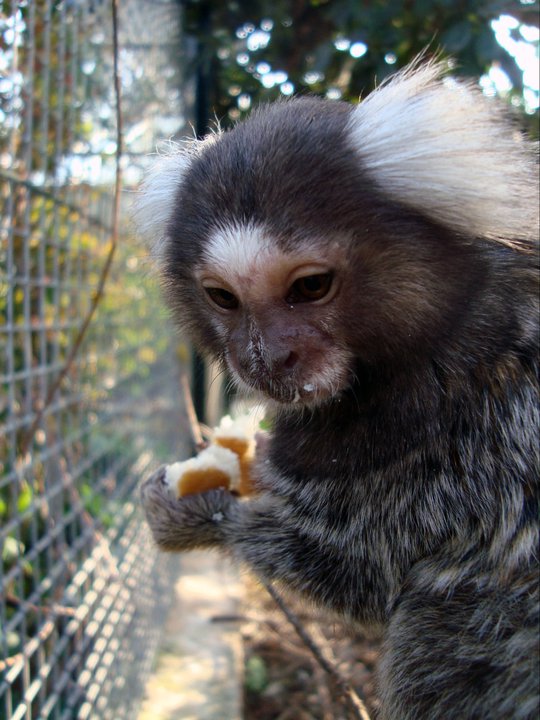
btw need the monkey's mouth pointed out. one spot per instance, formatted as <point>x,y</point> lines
<point>297,396</point>
<point>295,389</point>
<point>285,393</point>
<point>292,395</point>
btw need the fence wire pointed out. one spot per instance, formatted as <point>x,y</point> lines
<point>82,592</point>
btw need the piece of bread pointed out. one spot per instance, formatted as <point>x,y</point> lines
<point>225,463</point>
<point>238,435</point>
<point>214,467</point>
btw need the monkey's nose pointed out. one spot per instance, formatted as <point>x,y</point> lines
<point>290,361</point>
<point>285,362</point>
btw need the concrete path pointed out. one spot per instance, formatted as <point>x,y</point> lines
<point>199,668</point>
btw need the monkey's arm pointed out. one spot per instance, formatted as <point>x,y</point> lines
<point>214,518</point>
<point>259,532</point>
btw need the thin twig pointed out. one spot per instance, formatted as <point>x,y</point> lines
<point>44,634</point>
<point>194,425</point>
<point>355,703</point>
<point>98,295</point>
<point>56,609</point>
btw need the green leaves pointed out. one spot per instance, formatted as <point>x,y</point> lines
<point>457,37</point>
<point>25,498</point>
<point>256,675</point>
<point>301,42</point>
<point>12,550</point>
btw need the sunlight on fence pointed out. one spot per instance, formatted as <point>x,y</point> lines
<point>82,592</point>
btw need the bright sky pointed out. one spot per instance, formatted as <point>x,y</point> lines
<point>525,52</point>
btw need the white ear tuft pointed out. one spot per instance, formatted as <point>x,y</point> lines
<point>154,203</point>
<point>442,148</point>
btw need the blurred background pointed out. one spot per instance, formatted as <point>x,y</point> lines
<point>90,368</point>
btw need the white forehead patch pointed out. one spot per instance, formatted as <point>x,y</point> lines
<point>240,251</point>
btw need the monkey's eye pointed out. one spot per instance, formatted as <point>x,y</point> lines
<point>310,288</point>
<point>222,298</point>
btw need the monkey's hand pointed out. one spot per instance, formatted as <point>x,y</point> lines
<point>194,521</point>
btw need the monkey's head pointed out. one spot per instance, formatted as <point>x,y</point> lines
<point>316,237</point>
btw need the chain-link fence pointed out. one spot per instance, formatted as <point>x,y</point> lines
<point>82,592</point>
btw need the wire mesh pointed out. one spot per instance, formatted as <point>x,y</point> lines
<point>82,592</point>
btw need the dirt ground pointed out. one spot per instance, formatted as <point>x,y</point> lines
<point>283,681</point>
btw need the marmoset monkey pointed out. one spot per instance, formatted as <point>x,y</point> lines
<point>372,270</point>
